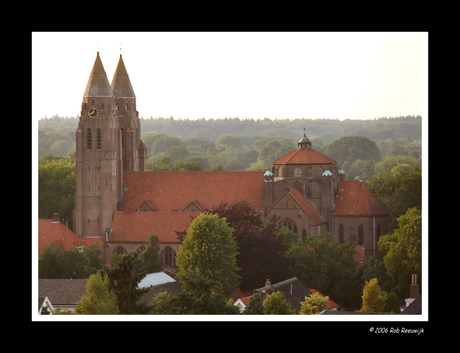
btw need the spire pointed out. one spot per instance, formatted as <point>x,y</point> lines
<point>304,142</point>
<point>98,84</point>
<point>121,85</point>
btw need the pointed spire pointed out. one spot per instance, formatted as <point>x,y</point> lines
<point>121,85</point>
<point>304,142</point>
<point>98,84</point>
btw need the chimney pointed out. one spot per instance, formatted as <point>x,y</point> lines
<point>56,218</point>
<point>263,295</point>
<point>268,283</point>
<point>414,292</point>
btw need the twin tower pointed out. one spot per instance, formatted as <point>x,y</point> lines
<point>108,142</point>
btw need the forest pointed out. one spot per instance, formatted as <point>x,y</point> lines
<point>248,144</point>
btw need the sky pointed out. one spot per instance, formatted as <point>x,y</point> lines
<point>207,75</point>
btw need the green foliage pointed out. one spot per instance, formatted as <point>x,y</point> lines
<point>255,306</point>
<point>398,192</point>
<point>352,148</point>
<point>391,304</point>
<point>200,300</point>
<point>124,282</point>
<point>56,189</point>
<point>276,304</point>
<point>262,253</point>
<point>99,299</point>
<point>314,304</point>
<point>373,298</point>
<point>329,267</point>
<point>149,259</point>
<point>404,248</point>
<point>210,250</point>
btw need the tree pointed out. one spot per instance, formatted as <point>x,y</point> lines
<point>329,267</point>
<point>209,249</point>
<point>404,250</point>
<point>373,298</point>
<point>99,299</point>
<point>276,304</point>
<point>261,251</point>
<point>56,189</point>
<point>149,259</point>
<point>124,282</point>
<point>255,306</point>
<point>352,148</point>
<point>313,305</point>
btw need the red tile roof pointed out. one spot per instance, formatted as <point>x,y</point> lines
<point>57,233</point>
<point>304,204</point>
<point>137,226</point>
<point>355,199</point>
<point>305,156</point>
<point>330,303</point>
<point>169,191</point>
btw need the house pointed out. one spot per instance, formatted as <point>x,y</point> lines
<point>53,232</point>
<point>45,307</point>
<point>294,291</point>
<point>62,293</point>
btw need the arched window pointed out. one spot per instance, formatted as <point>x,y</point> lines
<point>141,249</point>
<point>304,235</point>
<point>122,138</point>
<point>297,172</point>
<point>126,106</point>
<point>88,138</point>
<point>341,233</point>
<point>308,191</point>
<point>98,138</point>
<point>360,234</point>
<point>320,171</point>
<point>290,224</point>
<point>119,250</point>
<point>168,257</point>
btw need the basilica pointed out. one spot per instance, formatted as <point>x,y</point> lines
<point>120,203</point>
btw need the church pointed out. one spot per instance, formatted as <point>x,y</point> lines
<point>120,203</point>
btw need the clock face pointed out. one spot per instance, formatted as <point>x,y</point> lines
<point>93,112</point>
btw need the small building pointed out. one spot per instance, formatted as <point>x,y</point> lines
<point>62,293</point>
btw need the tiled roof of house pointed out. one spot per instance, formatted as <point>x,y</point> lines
<point>169,191</point>
<point>330,303</point>
<point>137,226</point>
<point>305,156</point>
<point>57,233</point>
<point>355,199</point>
<point>62,291</point>
<point>304,204</point>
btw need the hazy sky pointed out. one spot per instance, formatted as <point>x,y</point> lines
<point>249,75</point>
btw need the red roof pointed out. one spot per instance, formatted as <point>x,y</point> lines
<point>305,156</point>
<point>330,303</point>
<point>168,191</point>
<point>57,233</point>
<point>304,204</point>
<point>355,199</point>
<point>137,226</point>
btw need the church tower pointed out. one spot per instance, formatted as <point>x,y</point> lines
<point>99,164</point>
<point>133,149</point>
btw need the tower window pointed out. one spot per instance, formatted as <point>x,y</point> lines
<point>98,138</point>
<point>297,172</point>
<point>360,234</point>
<point>88,138</point>
<point>126,106</point>
<point>341,233</point>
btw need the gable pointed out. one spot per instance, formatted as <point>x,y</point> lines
<point>354,199</point>
<point>293,199</point>
<point>147,206</point>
